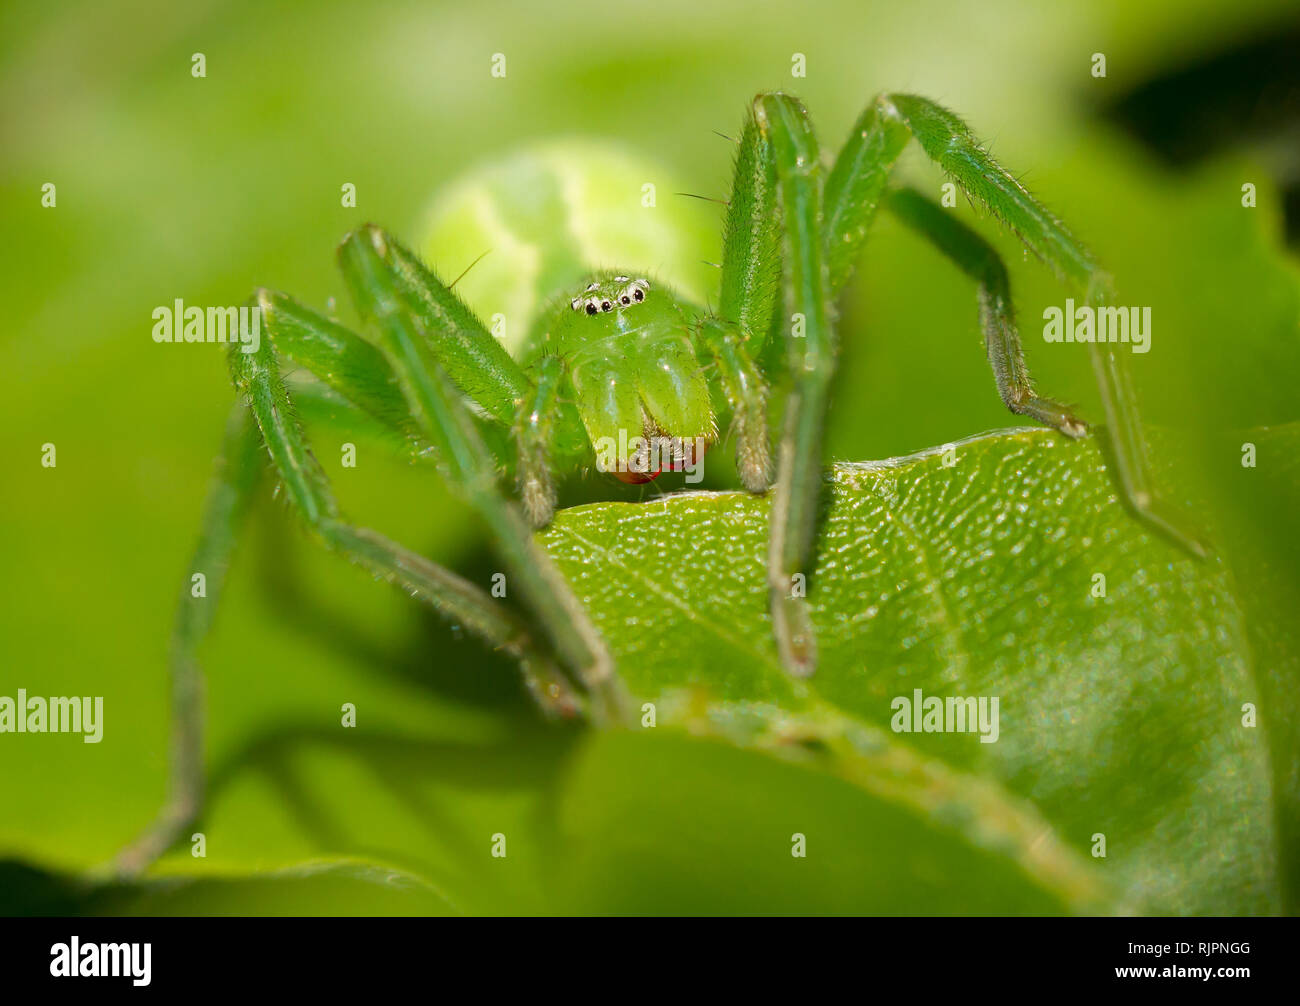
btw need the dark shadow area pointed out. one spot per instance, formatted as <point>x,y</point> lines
<point>28,890</point>
<point>437,655</point>
<point>532,759</point>
<point>1242,93</point>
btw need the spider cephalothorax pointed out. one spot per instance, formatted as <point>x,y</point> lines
<point>634,375</point>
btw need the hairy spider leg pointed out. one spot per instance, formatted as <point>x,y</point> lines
<point>787,136</point>
<point>372,265</point>
<point>237,476</point>
<point>534,430</point>
<point>365,381</point>
<point>471,356</point>
<point>780,202</point>
<point>855,190</point>
<point>745,390</point>
<point>748,301</point>
<point>478,364</point>
<point>978,260</point>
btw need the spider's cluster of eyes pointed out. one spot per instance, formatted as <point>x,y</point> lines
<point>633,293</point>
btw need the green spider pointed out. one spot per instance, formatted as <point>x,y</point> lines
<point>620,369</point>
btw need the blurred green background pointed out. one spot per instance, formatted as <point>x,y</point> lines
<point>170,186</point>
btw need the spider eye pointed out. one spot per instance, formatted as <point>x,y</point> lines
<point>591,308</point>
<point>606,306</point>
<point>637,295</point>
<point>625,300</point>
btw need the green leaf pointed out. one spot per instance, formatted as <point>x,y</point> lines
<point>1119,715</point>
<point>655,821</point>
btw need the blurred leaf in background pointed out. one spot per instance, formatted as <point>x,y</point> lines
<point>171,186</point>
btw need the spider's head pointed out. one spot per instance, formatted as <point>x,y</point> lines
<point>639,387</point>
